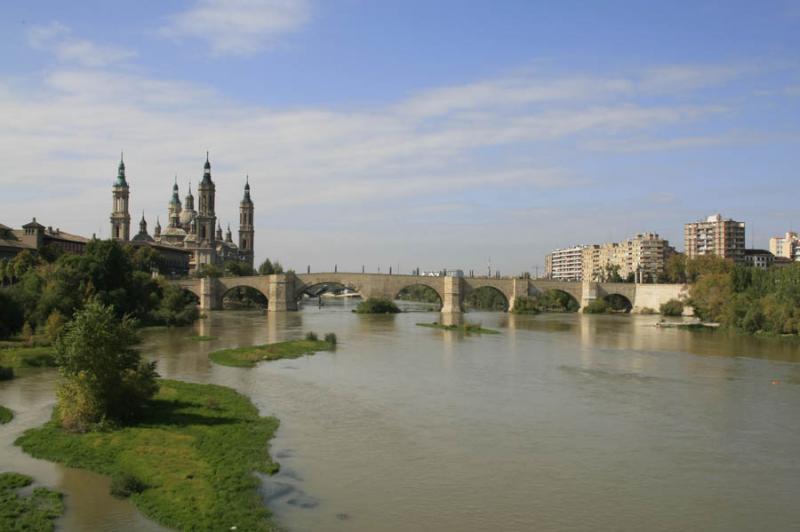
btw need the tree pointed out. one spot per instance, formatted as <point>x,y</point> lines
<point>11,315</point>
<point>675,269</point>
<point>208,270</point>
<point>238,269</point>
<point>269,268</point>
<point>102,375</point>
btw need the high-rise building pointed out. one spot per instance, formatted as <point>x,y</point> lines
<point>564,264</point>
<point>644,257</point>
<point>786,246</point>
<point>715,236</point>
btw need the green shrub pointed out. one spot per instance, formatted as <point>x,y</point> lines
<point>11,315</point>
<point>526,305</point>
<point>377,305</point>
<point>330,338</point>
<point>6,415</point>
<point>124,485</point>
<point>647,311</point>
<point>673,307</point>
<point>598,306</point>
<point>312,336</point>
<point>53,326</point>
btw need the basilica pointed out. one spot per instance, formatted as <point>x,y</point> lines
<point>192,237</point>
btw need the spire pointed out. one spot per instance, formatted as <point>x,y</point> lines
<point>120,182</point>
<point>229,235</point>
<point>246,198</point>
<point>206,171</point>
<point>175,197</point>
<point>143,225</point>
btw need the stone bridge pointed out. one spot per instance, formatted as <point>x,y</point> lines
<point>283,291</point>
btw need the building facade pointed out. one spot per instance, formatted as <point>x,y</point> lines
<point>565,264</point>
<point>786,246</point>
<point>643,258</point>
<point>195,233</point>
<point>758,258</point>
<point>715,236</point>
<point>34,236</point>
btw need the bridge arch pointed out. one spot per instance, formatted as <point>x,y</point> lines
<point>190,294</point>
<point>558,300</point>
<point>243,296</point>
<point>486,297</point>
<point>420,292</point>
<point>618,302</point>
<point>323,287</point>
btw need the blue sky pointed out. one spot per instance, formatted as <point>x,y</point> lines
<point>431,134</point>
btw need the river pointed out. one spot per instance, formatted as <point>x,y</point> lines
<point>560,422</point>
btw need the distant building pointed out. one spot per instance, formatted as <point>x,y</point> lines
<point>196,232</point>
<point>715,236</point>
<point>565,264</point>
<point>644,257</point>
<point>786,246</point>
<point>35,236</point>
<point>758,258</point>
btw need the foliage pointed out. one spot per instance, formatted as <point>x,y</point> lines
<point>123,485</point>
<point>673,307</point>
<point>467,328</point>
<point>331,339</point>
<point>27,334</point>
<point>377,305</point>
<point>647,311</point>
<point>526,305</point>
<point>312,336</point>
<point>6,374</point>
<point>177,307</point>
<point>598,306</point>
<point>6,415</point>
<point>202,338</point>
<point>420,293</point>
<point>237,268</point>
<point>618,303</point>
<point>195,452</point>
<point>36,511</point>
<point>610,273</point>
<point>54,325</point>
<point>12,315</point>
<point>244,297</point>
<point>269,267</point>
<point>28,357</point>
<point>557,301</point>
<point>486,298</point>
<point>117,275</point>
<point>248,357</point>
<point>207,270</point>
<point>102,374</point>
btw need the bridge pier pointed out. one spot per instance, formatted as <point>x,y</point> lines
<point>452,302</point>
<point>210,297</point>
<point>280,293</point>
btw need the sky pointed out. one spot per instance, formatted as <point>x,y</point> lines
<point>377,133</point>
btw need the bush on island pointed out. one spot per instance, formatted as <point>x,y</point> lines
<point>377,305</point>
<point>598,306</point>
<point>526,305</point>
<point>673,307</point>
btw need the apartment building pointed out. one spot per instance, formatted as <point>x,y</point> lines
<point>565,264</point>
<point>786,246</point>
<point>643,256</point>
<point>716,235</point>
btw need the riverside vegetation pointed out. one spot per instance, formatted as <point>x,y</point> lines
<point>466,328</point>
<point>185,453</point>
<point>34,511</point>
<point>377,305</point>
<point>248,357</point>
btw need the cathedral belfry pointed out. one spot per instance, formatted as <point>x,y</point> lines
<point>120,218</point>
<point>206,219</point>
<point>246,230</point>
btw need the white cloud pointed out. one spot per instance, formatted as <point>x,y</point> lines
<point>238,27</point>
<point>57,38</point>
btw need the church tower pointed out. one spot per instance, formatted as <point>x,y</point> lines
<point>174,208</point>
<point>246,231</point>
<point>120,219</point>
<point>206,219</point>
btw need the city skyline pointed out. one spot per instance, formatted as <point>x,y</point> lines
<point>464,132</point>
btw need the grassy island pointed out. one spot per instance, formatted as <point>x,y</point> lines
<point>202,338</point>
<point>188,463</point>
<point>36,511</point>
<point>6,415</point>
<point>28,357</point>
<point>248,357</point>
<point>467,328</point>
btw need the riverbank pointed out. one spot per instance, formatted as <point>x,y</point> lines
<point>28,357</point>
<point>6,415</point>
<point>34,511</point>
<point>248,357</point>
<point>193,457</point>
<point>466,328</point>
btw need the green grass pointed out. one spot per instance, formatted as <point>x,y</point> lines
<point>468,328</point>
<point>202,338</point>
<point>36,511</point>
<point>194,454</point>
<point>248,357</point>
<point>28,357</point>
<point>6,415</point>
